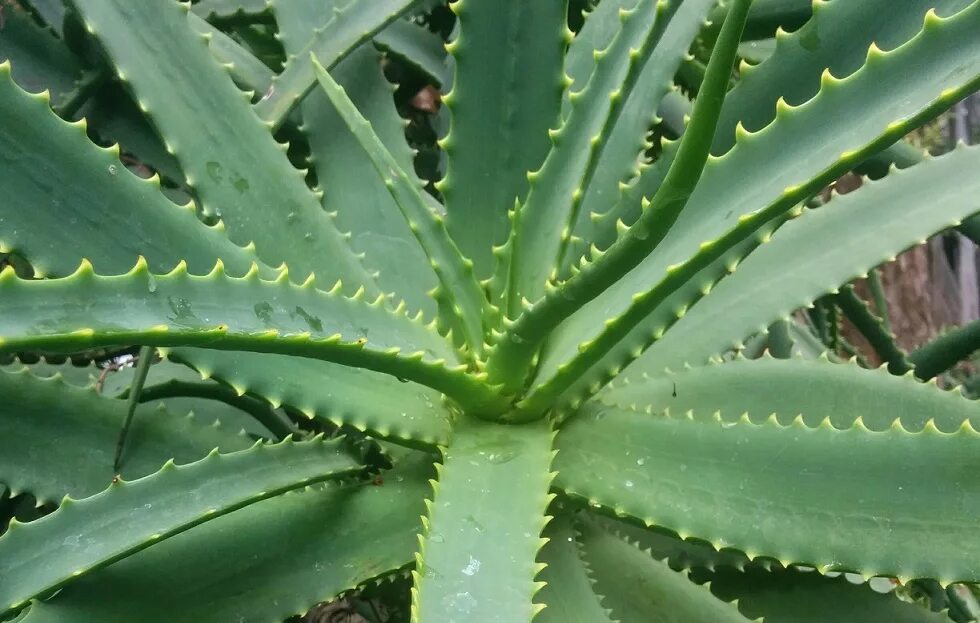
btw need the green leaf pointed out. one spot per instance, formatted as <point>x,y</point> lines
<point>418,47</point>
<point>87,535</point>
<point>946,350</point>
<point>812,388</point>
<point>637,587</point>
<point>542,224</point>
<point>347,28</point>
<point>476,561</point>
<point>567,592</point>
<point>210,9</point>
<point>66,196</point>
<point>353,190</point>
<point>621,155</point>
<point>796,596</point>
<point>40,60</point>
<point>835,38</point>
<point>75,430</point>
<point>817,252</point>
<point>87,310</point>
<point>608,269</point>
<point>248,72</point>
<point>726,218</point>
<point>382,405</point>
<point>502,108</point>
<point>459,287</point>
<point>226,570</point>
<point>857,499</point>
<point>236,169</point>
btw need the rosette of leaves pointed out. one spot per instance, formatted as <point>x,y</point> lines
<point>538,362</point>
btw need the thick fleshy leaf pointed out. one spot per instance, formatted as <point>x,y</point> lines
<point>851,499</point>
<point>476,561</point>
<point>460,291</point>
<point>86,310</point>
<point>327,540</point>
<point>637,587</point>
<point>812,388</point>
<point>351,186</point>
<point>65,195</point>
<point>349,26</point>
<point>835,38</point>
<point>83,536</point>
<point>40,60</point>
<point>235,167</point>
<point>567,594</point>
<point>817,252</point>
<point>623,152</point>
<point>502,108</point>
<point>726,218</point>
<point>58,440</point>
<point>795,596</point>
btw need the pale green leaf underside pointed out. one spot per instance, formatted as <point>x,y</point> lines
<point>85,535</point>
<point>58,440</point>
<point>638,588</point>
<point>848,499</point>
<point>476,560</point>
<point>229,158</point>
<point>819,251</point>
<point>228,570</point>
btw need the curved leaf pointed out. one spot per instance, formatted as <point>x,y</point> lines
<point>64,195</point>
<point>567,592</point>
<point>851,499</point>
<point>327,540</point>
<point>216,311</point>
<point>817,252</point>
<point>726,218</point>
<point>812,388</point>
<point>83,536</point>
<point>795,596</point>
<point>637,587</point>
<point>58,440</point>
<point>230,159</point>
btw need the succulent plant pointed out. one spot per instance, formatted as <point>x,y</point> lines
<point>536,378</point>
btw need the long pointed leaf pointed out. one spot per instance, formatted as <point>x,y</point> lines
<point>351,186</point>
<point>75,431</point>
<point>851,499</point>
<point>502,105</point>
<point>836,244</point>
<point>477,556</point>
<point>460,288</point>
<point>84,536</point>
<point>349,26</point>
<point>216,311</point>
<point>335,539</point>
<point>64,194</point>
<point>228,156</point>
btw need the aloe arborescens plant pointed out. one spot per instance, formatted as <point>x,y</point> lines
<point>552,343</point>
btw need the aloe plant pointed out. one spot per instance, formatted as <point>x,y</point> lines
<point>536,377</point>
